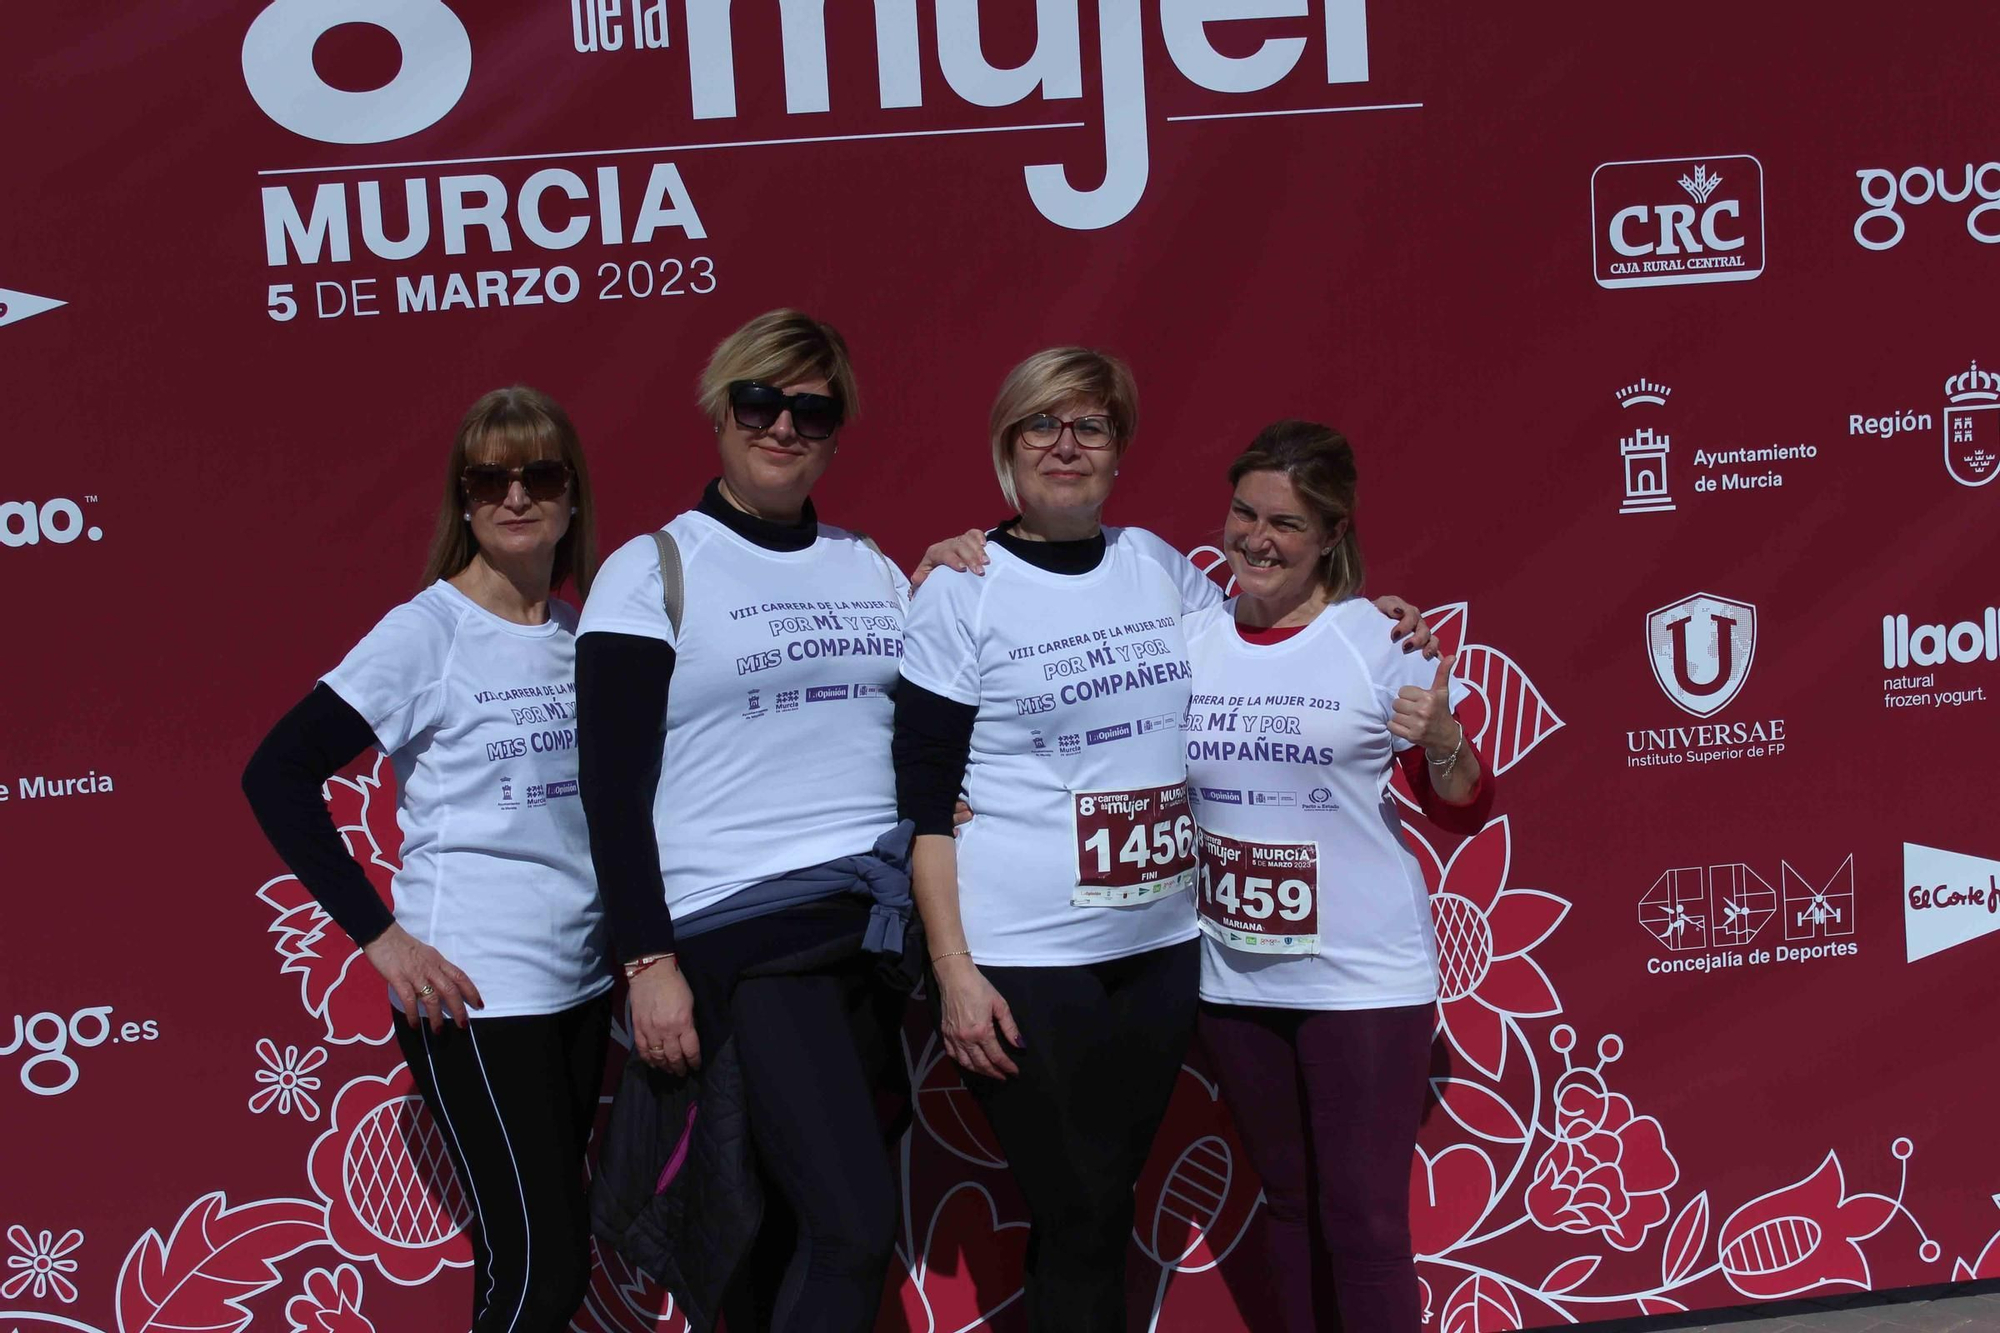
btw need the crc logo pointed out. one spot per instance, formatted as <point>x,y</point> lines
<point>1701,648</point>
<point>1882,190</point>
<point>1668,221</point>
<point>25,523</point>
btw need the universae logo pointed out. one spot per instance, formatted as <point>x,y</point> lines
<point>437,66</point>
<point>1700,649</point>
<point>1668,221</point>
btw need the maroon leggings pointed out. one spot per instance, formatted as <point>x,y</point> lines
<point>1328,1103</point>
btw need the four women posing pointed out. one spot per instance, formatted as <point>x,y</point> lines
<point>1132,864</point>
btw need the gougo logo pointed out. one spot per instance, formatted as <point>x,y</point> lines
<point>27,523</point>
<point>437,67</point>
<point>52,1070</point>
<point>1883,190</point>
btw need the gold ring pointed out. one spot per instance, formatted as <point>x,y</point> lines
<point>427,989</point>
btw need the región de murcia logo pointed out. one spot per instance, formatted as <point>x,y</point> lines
<point>1971,425</point>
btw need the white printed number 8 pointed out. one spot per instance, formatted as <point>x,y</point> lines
<point>278,68</point>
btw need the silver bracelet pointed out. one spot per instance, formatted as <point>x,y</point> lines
<point>1444,766</point>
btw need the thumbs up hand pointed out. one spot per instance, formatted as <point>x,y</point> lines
<point>1423,716</point>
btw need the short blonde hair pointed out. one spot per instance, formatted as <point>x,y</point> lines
<point>1048,379</point>
<point>780,347</point>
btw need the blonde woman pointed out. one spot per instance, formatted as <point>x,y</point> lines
<point>469,689</point>
<point>734,673</point>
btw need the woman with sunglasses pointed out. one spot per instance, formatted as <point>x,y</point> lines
<point>469,689</point>
<point>733,679</point>
<point>1052,690</point>
<point>1317,1012</point>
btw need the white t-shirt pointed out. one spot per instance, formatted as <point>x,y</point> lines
<point>1080,681</point>
<point>478,715</point>
<point>1289,754</point>
<point>779,712</point>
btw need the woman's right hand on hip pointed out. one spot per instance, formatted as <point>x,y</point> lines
<point>975,1017</point>
<point>663,1032</point>
<point>427,985</point>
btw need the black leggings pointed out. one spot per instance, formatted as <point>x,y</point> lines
<point>810,1047</point>
<point>515,1099</point>
<point>1104,1044</point>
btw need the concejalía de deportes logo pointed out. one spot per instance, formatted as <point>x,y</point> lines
<point>438,62</point>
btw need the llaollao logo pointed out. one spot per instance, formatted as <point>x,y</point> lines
<point>56,522</point>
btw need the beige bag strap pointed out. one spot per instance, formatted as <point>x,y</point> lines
<point>673,582</point>
<point>869,542</point>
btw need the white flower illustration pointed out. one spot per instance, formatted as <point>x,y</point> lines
<point>40,1265</point>
<point>288,1079</point>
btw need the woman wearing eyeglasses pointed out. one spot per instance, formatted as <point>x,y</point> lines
<point>469,689</point>
<point>733,678</point>
<point>1052,690</point>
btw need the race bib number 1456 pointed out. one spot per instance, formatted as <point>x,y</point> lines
<point>1260,897</point>
<point>1132,846</point>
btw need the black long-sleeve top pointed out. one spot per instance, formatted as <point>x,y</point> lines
<point>320,736</point>
<point>621,703</point>
<point>933,738</point>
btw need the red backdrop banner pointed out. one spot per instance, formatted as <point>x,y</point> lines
<point>1661,339</point>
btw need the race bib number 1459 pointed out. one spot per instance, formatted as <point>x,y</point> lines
<point>1132,846</point>
<point>1260,897</point>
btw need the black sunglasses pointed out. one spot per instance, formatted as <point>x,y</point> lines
<point>489,483</point>
<point>758,406</point>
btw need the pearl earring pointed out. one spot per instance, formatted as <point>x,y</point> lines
<point>572,509</point>
<point>468,516</point>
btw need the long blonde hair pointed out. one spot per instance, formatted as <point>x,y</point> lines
<point>513,426</point>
